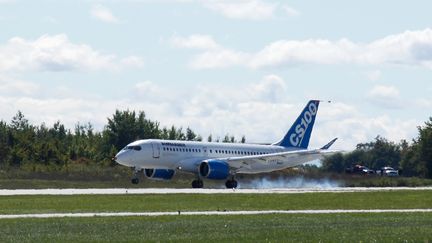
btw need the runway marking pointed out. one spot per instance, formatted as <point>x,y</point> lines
<point>123,191</point>
<point>210,213</point>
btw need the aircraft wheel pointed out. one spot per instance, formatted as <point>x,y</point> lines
<point>231,183</point>
<point>197,184</point>
<point>135,181</point>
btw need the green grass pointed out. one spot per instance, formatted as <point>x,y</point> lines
<point>193,202</point>
<point>381,227</point>
<point>396,227</point>
<point>82,176</point>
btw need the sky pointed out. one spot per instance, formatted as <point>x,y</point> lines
<point>243,67</point>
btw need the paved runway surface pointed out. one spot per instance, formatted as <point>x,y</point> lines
<point>146,214</point>
<point>120,191</point>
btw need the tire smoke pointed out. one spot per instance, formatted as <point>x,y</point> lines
<point>291,182</point>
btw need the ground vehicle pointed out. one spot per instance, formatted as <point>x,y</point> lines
<point>388,171</point>
<point>359,169</point>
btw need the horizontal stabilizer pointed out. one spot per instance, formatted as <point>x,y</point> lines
<point>327,146</point>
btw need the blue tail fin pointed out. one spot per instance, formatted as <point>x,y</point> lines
<point>299,134</point>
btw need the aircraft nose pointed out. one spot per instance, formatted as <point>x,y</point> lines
<point>120,158</point>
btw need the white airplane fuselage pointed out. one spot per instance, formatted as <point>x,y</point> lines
<point>186,155</point>
<point>222,161</point>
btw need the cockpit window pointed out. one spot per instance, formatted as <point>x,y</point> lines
<point>137,148</point>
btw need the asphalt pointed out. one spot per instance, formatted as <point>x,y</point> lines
<point>210,213</point>
<point>120,191</point>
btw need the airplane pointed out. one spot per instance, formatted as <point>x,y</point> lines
<point>160,159</point>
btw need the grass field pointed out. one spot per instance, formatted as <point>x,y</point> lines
<point>252,228</point>
<point>193,202</point>
<point>416,227</point>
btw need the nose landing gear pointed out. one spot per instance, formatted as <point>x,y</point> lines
<point>135,178</point>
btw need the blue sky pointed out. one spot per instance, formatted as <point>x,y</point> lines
<point>244,67</point>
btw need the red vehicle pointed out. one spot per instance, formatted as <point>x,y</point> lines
<point>359,169</point>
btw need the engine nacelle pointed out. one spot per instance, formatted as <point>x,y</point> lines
<point>214,169</point>
<point>159,174</point>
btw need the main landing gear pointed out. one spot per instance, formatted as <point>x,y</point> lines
<point>232,183</point>
<point>198,183</point>
<point>135,178</point>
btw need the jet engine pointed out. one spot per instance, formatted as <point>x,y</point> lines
<point>214,169</point>
<point>159,174</point>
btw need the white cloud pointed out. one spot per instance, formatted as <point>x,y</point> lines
<point>412,48</point>
<point>384,91</point>
<point>146,87</point>
<point>13,87</point>
<point>132,61</point>
<point>387,96</point>
<point>290,11</point>
<point>424,103</point>
<point>57,53</point>
<point>248,9</point>
<point>243,9</point>
<point>374,75</point>
<point>263,112</point>
<point>204,42</point>
<point>272,89</point>
<point>104,14</point>
<point>221,58</point>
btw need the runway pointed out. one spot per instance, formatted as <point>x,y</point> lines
<point>124,191</point>
<point>210,213</point>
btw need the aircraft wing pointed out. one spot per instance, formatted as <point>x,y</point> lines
<point>289,158</point>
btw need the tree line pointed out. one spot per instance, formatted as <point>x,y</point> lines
<point>23,145</point>
<point>413,159</point>
<point>27,146</point>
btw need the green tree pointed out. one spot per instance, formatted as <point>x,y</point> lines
<point>379,153</point>
<point>334,163</point>
<point>4,144</point>
<point>21,139</point>
<point>424,148</point>
<point>190,135</point>
<point>127,126</point>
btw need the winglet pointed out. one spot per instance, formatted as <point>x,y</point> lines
<point>327,146</point>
